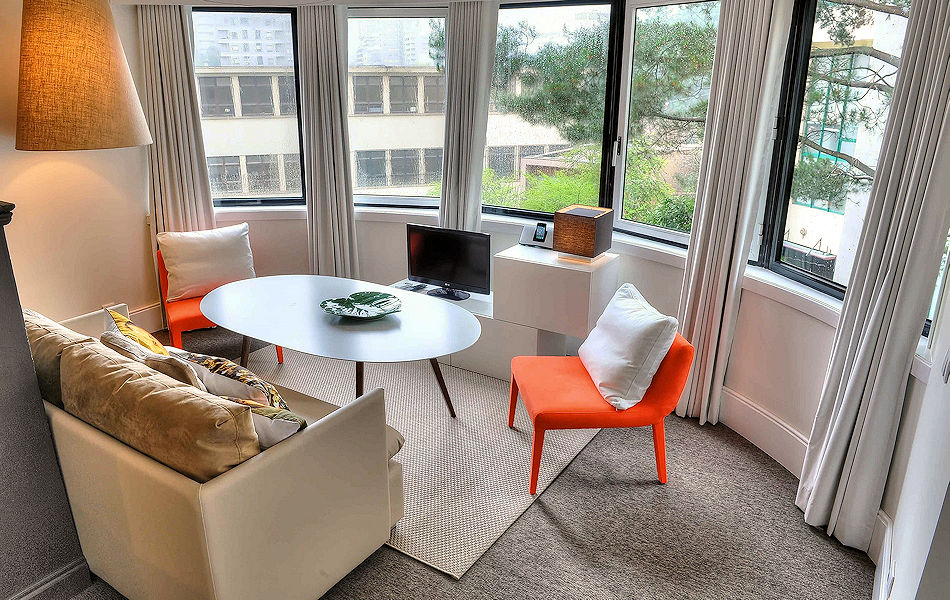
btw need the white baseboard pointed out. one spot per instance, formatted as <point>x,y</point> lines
<point>881,552</point>
<point>773,436</point>
<point>149,317</point>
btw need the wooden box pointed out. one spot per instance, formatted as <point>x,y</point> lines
<point>583,230</point>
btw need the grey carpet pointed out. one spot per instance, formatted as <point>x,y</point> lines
<point>466,479</point>
<point>724,527</point>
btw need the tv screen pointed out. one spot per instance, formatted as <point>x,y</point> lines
<point>449,258</point>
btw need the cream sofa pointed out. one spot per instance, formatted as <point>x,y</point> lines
<point>287,523</point>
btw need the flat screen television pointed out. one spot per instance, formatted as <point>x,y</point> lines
<point>456,261</point>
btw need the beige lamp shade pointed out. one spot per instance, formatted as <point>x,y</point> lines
<point>76,90</point>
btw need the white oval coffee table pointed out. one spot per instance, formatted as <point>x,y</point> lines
<point>285,310</point>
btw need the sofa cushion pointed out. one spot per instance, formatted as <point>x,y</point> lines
<point>313,410</point>
<point>197,434</point>
<point>226,378</point>
<point>176,368</point>
<point>272,424</point>
<point>48,339</point>
<point>123,325</point>
<point>199,261</point>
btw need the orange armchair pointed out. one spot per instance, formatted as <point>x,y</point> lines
<point>558,393</point>
<point>185,315</point>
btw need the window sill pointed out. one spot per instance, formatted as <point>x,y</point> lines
<point>236,214</point>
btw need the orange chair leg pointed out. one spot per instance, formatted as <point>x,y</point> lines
<point>659,448</point>
<point>175,335</point>
<point>537,444</point>
<point>513,402</point>
<point>280,355</point>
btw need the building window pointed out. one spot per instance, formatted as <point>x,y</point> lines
<point>370,168</point>
<point>263,174</point>
<point>367,94</point>
<point>257,95</point>
<point>254,159</point>
<point>406,167</point>
<point>287,92</point>
<point>549,88</point>
<point>432,161</point>
<point>840,78</point>
<point>434,90</point>
<point>670,78</point>
<point>396,65</point>
<point>225,175</point>
<point>216,98</point>
<point>403,94</point>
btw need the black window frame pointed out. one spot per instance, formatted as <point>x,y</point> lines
<point>277,200</point>
<point>785,153</point>
<point>611,102</point>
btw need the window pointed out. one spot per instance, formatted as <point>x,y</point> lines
<point>549,88</point>
<point>669,81</point>
<point>367,94</point>
<point>397,123</point>
<point>225,175</point>
<point>370,168</point>
<point>403,94</point>
<point>262,173</point>
<point>940,290</point>
<point>257,95</point>
<point>254,159</point>
<point>432,160</point>
<point>287,90</point>
<point>406,168</point>
<point>434,90</point>
<point>843,63</point>
<point>215,94</point>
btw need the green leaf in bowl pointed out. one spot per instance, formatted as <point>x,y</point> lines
<point>363,305</point>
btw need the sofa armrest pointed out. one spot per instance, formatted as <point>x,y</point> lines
<point>293,520</point>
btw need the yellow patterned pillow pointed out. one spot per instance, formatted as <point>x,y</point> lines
<point>135,333</point>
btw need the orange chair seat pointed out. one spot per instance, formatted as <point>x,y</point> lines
<point>558,393</point>
<point>186,314</point>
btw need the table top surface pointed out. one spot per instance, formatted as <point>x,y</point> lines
<point>285,310</point>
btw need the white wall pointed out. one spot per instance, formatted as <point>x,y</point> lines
<point>78,238</point>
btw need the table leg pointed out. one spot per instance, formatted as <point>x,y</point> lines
<point>359,379</point>
<point>445,391</point>
<point>245,349</point>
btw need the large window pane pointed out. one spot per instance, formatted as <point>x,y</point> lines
<point>253,157</point>
<point>673,51</point>
<point>548,90</point>
<point>396,121</point>
<point>852,69</point>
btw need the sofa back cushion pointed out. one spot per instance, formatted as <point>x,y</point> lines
<point>48,339</point>
<point>197,434</point>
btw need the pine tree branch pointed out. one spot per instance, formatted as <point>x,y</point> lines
<point>679,118</point>
<point>854,162</point>
<point>875,6</point>
<point>867,50</point>
<point>855,83</point>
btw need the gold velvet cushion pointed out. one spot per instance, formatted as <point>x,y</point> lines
<point>122,324</point>
<point>48,339</point>
<point>197,434</point>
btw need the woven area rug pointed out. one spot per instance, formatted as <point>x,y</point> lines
<point>467,478</point>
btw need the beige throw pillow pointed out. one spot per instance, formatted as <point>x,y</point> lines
<point>174,367</point>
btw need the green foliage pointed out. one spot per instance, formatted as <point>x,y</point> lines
<point>437,43</point>
<point>820,181</point>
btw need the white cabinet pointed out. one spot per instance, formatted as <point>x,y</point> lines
<point>546,290</point>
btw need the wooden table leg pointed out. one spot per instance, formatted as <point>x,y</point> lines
<point>445,391</point>
<point>245,349</point>
<point>359,379</point>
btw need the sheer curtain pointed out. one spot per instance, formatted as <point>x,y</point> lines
<point>746,78</point>
<point>331,229</point>
<point>470,30</point>
<point>180,190</point>
<point>889,290</point>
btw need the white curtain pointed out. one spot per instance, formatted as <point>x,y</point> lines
<point>470,30</point>
<point>331,230</point>
<point>889,290</point>
<point>745,81</point>
<point>180,191</point>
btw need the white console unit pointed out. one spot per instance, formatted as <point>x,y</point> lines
<point>539,298</point>
<point>546,290</point>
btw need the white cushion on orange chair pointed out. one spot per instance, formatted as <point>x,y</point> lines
<point>199,261</point>
<point>626,347</point>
